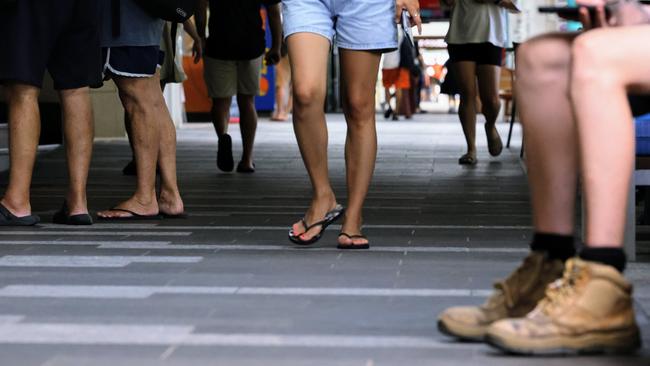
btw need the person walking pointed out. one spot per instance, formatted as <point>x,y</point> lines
<point>476,43</point>
<point>557,301</point>
<point>61,37</point>
<point>234,55</point>
<point>132,59</point>
<point>283,96</point>
<point>363,30</point>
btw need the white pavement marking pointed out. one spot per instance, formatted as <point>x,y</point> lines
<point>162,335</point>
<point>164,245</point>
<point>93,233</point>
<point>336,226</point>
<point>88,261</point>
<point>10,319</point>
<point>143,292</point>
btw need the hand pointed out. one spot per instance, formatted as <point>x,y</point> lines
<point>197,50</point>
<point>413,7</point>
<point>273,56</point>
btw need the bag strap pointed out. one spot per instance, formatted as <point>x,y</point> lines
<point>173,32</point>
<point>116,18</point>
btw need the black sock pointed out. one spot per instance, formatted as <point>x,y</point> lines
<point>556,246</point>
<point>611,256</point>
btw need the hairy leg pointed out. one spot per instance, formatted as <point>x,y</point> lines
<point>248,126</point>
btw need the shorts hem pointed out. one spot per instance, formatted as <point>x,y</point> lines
<point>293,31</point>
<point>383,47</point>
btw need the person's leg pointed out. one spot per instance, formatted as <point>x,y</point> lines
<point>542,93</point>
<point>221,115</point>
<point>24,132</point>
<point>465,72</point>
<point>359,75</point>
<point>142,100</point>
<point>308,54</point>
<point>247,126</point>
<point>488,87</point>
<point>78,130</point>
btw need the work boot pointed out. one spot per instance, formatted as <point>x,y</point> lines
<point>515,296</point>
<point>588,310</point>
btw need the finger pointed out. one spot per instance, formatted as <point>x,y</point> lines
<point>398,12</point>
<point>601,18</point>
<point>585,19</point>
<point>416,20</point>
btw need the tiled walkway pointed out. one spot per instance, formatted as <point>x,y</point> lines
<point>225,287</point>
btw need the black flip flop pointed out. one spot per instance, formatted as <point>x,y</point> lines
<point>172,216</point>
<point>330,217</point>
<point>134,216</point>
<point>63,217</point>
<point>225,160</point>
<point>245,169</point>
<point>467,160</point>
<point>9,219</point>
<point>353,246</point>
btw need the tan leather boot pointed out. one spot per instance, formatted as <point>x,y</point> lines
<point>588,310</point>
<point>515,296</point>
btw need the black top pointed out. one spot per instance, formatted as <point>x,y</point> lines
<point>236,31</point>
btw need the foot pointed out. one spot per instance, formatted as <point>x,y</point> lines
<point>316,212</point>
<point>123,209</point>
<point>225,161</point>
<point>588,310</point>
<point>244,167</point>
<point>388,113</point>
<point>468,159</point>
<point>515,296</point>
<point>351,235</point>
<point>495,146</point>
<point>170,204</point>
<point>9,217</point>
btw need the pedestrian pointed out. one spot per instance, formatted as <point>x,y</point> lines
<point>132,60</point>
<point>476,43</point>
<point>363,30</point>
<point>395,78</point>
<point>235,52</point>
<point>283,96</point>
<point>555,301</point>
<point>61,37</point>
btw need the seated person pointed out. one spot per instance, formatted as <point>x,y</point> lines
<point>573,93</point>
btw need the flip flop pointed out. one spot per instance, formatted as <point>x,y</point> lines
<point>245,169</point>
<point>353,246</point>
<point>9,219</point>
<point>225,160</point>
<point>134,216</point>
<point>495,146</point>
<point>467,159</point>
<point>330,217</point>
<point>172,216</point>
<point>63,217</point>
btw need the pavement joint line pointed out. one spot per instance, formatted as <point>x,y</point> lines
<point>275,227</point>
<point>183,335</point>
<point>144,292</point>
<point>67,261</point>
<point>87,232</point>
<point>253,247</point>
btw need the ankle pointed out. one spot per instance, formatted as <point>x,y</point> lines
<point>611,256</point>
<point>556,246</point>
<point>17,207</point>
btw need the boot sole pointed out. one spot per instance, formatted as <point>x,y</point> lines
<point>621,342</point>
<point>459,334</point>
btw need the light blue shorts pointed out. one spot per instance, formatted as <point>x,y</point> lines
<point>350,24</point>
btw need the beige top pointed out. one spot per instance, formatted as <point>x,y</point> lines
<point>475,22</point>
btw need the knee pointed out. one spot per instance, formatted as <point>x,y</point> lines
<point>306,94</point>
<point>359,108</point>
<point>141,101</point>
<point>591,67</point>
<point>22,94</point>
<point>542,62</point>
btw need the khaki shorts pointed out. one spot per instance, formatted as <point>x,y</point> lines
<point>226,78</point>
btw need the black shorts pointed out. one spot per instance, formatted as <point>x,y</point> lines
<point>132,61</point>
<point>480,53</point>
<point>60,36</point>
<point>640,104</point>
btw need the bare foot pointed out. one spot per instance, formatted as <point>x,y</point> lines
<point>352,227</point>
<point>18,210</point>
<point>317,211</point>
<point>171,204</point>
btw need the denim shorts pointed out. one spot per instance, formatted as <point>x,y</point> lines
<point>350,24</point>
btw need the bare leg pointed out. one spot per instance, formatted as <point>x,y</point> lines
<point>24,132</point>
<point>605,130</point>
<point>551,155</point>
<point>78,129</point>
<point>488,87</point>
<point>248,126</point>
<point>466,73</point>
<point>142,100</point>
<point>359,75</point>
<point>308,54</point>
<point>221,115</point>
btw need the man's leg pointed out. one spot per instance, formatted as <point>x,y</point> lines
<point>220,119</point>
<point>79,132</point>
<point>24,132</point>
<point>542,89</point>
<point>142,100</point>
<point>248,126</point>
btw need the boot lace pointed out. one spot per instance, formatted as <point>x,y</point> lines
<point>563,288</point>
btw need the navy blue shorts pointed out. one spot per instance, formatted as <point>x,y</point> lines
<point>480,53</point>
<point>60,36</point>
<point>132,61</point>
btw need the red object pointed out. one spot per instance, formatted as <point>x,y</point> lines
<point>430,4</point>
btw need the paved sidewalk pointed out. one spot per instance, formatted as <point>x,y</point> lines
<point>225,287</point>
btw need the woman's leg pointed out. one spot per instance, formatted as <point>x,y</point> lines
<point>359,77</point>
<point>599,86</point>
<point>542,86</point>
<point>465,71</point>
<point>308,54</point>
<point>488,88</point>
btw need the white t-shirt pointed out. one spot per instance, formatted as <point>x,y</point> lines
<point>475,22</point>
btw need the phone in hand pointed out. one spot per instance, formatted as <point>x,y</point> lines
<point>406,26</point>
